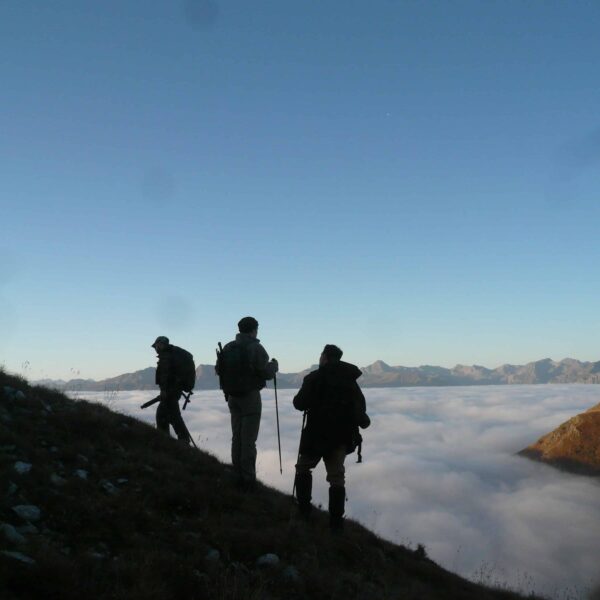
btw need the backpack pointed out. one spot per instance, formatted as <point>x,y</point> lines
<point>338,407</point>
<point>236,376</point>
<point>184,368</point>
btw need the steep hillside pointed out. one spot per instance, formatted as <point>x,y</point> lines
<point>100,505</point>
<point>573,446</point>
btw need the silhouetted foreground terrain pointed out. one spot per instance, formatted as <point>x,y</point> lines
<point>379,374</point>
<point>573,446</point>
<point>100,505</point>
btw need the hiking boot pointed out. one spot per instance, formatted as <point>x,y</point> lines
<point>303,494</point>
<point>337,500</point>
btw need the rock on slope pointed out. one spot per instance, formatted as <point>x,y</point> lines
<point>573,446</point>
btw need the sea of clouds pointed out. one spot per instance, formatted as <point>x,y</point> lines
<point>440,470</point>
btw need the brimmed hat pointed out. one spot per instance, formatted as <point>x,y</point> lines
<point>161,339</point>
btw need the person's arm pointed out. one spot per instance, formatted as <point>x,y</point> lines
<point>360,407</point>
<point>262,365</point>
<point>162,373</point>
<point>303,400</point>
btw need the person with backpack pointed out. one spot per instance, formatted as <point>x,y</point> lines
<point>335,408</point>
<point>175,374</point>
<point>243,367</point>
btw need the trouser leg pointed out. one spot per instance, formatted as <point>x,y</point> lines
<point>303,483</point>
<point>236,435</point>
<point>245,423</point>
<point>162,417</point>
<point>249,434</point>
<point>176,419</point>
<point>334,463</point>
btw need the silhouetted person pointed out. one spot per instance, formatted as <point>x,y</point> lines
<point>243,368</point>
<point>335,407</point>
<point>170,378</point>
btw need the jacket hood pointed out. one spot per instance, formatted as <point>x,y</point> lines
<point>340,371</point>
<point>244,338</point>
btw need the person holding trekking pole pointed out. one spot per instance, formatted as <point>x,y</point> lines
<point>334,408</point>
<point>243,367</point>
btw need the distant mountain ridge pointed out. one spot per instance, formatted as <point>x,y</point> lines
<point>378,374</point>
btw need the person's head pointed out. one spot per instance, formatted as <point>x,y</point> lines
<point>330,354</point>
<point>160,343</point>
<point>248,325</point>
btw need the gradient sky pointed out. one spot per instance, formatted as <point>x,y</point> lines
<point>414,181</point>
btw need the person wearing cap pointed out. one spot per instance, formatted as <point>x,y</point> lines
<point>168,413</point>
<point>243,368</point>
<point>335,408</point>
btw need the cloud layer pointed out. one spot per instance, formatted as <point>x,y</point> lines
<point>439,469</point>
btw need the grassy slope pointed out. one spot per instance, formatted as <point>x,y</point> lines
<point>150,538</point>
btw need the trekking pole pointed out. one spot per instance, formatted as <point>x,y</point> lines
<point>298,458</point>
<point>277,415</point>
<point>190,438</point>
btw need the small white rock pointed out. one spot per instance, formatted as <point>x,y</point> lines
<point>28,529</point>
<point>267,560</point>
<point>22,468</point>
<point>18,556</point>
<point>109,488</point>
<point>81,473</point>
<point>11,534</point>
<point>19,395</point>
<point>213,555</point>
<point>57,479</point>
<point>290,573</point>
<point>28,512</point>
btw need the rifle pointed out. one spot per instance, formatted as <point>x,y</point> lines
<point>219,350</point>
<point>157,399</point>
<point>151,402</point>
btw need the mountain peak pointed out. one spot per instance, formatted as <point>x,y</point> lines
<point>377,367</point>
<point>573,446</point>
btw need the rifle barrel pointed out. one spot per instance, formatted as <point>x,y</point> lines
<point>151,402</point>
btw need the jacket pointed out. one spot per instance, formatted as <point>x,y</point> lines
<point>335,407</point>
<point>259,369</point>
<point>166,370</point>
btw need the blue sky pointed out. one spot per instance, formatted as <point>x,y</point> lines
<point>416,182</point>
